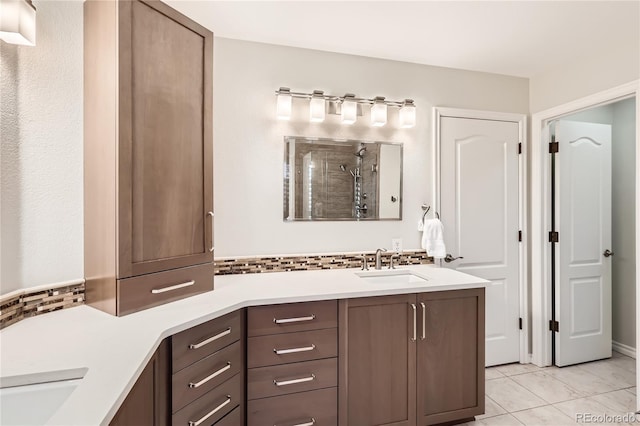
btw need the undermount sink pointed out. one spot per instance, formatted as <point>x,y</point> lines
<point>23,401</point>
<point>393,276</point>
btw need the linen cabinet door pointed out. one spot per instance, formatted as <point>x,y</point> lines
<point>165,152</point>
<point>450,355</point>
<point>377,361</point>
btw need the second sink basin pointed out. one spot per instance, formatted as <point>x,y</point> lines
<point>386,277</point>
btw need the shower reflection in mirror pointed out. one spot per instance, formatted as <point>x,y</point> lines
<point>332,179</point>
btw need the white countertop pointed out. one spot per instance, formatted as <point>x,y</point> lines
<point>116,350</point>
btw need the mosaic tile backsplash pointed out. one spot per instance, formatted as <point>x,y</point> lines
<point>254,265</point>
<point>41,301</point>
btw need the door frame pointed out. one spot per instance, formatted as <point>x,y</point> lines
<point>521,119</point>
<point>541,217</point>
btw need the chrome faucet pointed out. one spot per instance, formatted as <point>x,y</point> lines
<point>379,258</point>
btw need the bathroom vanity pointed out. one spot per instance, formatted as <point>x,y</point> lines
<point>314,347</point>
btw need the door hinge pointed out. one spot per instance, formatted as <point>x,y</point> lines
<point>520,148</point>
<point>553,147</point>
<point>554,326</point>
<point>519,235</point>
<point>553,237</point>
<point>520,323</point>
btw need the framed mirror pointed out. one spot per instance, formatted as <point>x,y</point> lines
<point>338,179</point>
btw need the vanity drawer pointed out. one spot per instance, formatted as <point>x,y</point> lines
<point>317,408</point>
<point>197,379</point>
<point>198,342</point>
<point>290,378</point>
<point>212,406</point>
<point>146,291</point>
<point>234,418</point>
<point>291,317</point>
<point>292,347</point>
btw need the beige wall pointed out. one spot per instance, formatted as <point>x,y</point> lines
<point>41,152</point>
<point>569,81</point>
<point>249,147</point>
<point>624,226</point>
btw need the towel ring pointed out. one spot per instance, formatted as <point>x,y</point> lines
<point>426,209</point>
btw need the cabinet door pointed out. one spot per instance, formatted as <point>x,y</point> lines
<point>450,355</point>
<point>148,401</point>
<point>165,156</point>
<point>377,361</point>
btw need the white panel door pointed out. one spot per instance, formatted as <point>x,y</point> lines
<point>583,209</point>
<point>479,208</point>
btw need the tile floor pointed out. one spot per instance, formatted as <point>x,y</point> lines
<point>523,394</point>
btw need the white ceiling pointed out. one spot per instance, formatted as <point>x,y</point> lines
<point>521,38</point>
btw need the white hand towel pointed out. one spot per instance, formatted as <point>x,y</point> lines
<point>433,238</point>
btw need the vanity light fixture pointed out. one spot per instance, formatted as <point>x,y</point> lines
<point>407,114</point>
<point>283,104</point>
<point>349,111</point>
<point>18,22</point>
<point>317,107</point>
<point>349,107</point>
<point>379,112</point>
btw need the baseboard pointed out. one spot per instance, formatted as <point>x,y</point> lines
<point>624,349</point>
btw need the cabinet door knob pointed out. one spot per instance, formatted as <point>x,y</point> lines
<point>608,253</point>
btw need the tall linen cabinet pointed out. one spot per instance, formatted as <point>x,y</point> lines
<point>148,155</point>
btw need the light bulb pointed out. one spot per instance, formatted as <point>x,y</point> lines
<point>283,104</point>
<point>316,107</point>
<point>349,109</point>
<point>407,114</point>
<point>379,112</point>
<point>18,22</point>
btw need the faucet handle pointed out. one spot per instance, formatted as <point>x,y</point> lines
<point>365,265</point>
<point>395,255</point>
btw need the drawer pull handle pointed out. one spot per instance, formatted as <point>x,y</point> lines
<point>294,381</point>
<point>210,214</point>
<point>172,287</point>
<point>211,413</point>
<point>210,376</point>
<point>424,320</point>
<point>294,350</point>
<point>309,423</point>
<point>290,320</point>
<point>210,339</point>
<point>415,331</point>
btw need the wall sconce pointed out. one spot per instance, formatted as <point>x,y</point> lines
<point>349,111</point>
<point>407,114</point>
<point>18,22</point>
<point>347,106</point>
<point>379,112</point>
<point>283,104</point>
<point>316,107</point>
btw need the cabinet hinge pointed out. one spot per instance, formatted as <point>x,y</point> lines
<point>553,147</point>
<point>520,323</point>
<point>520,148</point>
<point>519,235</point>
<point>553,237</point>
<point>554,326</point>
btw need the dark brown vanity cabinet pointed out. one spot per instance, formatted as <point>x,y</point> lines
<point>148,402</point>
<point>415,359</point>
<point>292,374</point>
<point>148,155</point>
<point>208,372</point>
